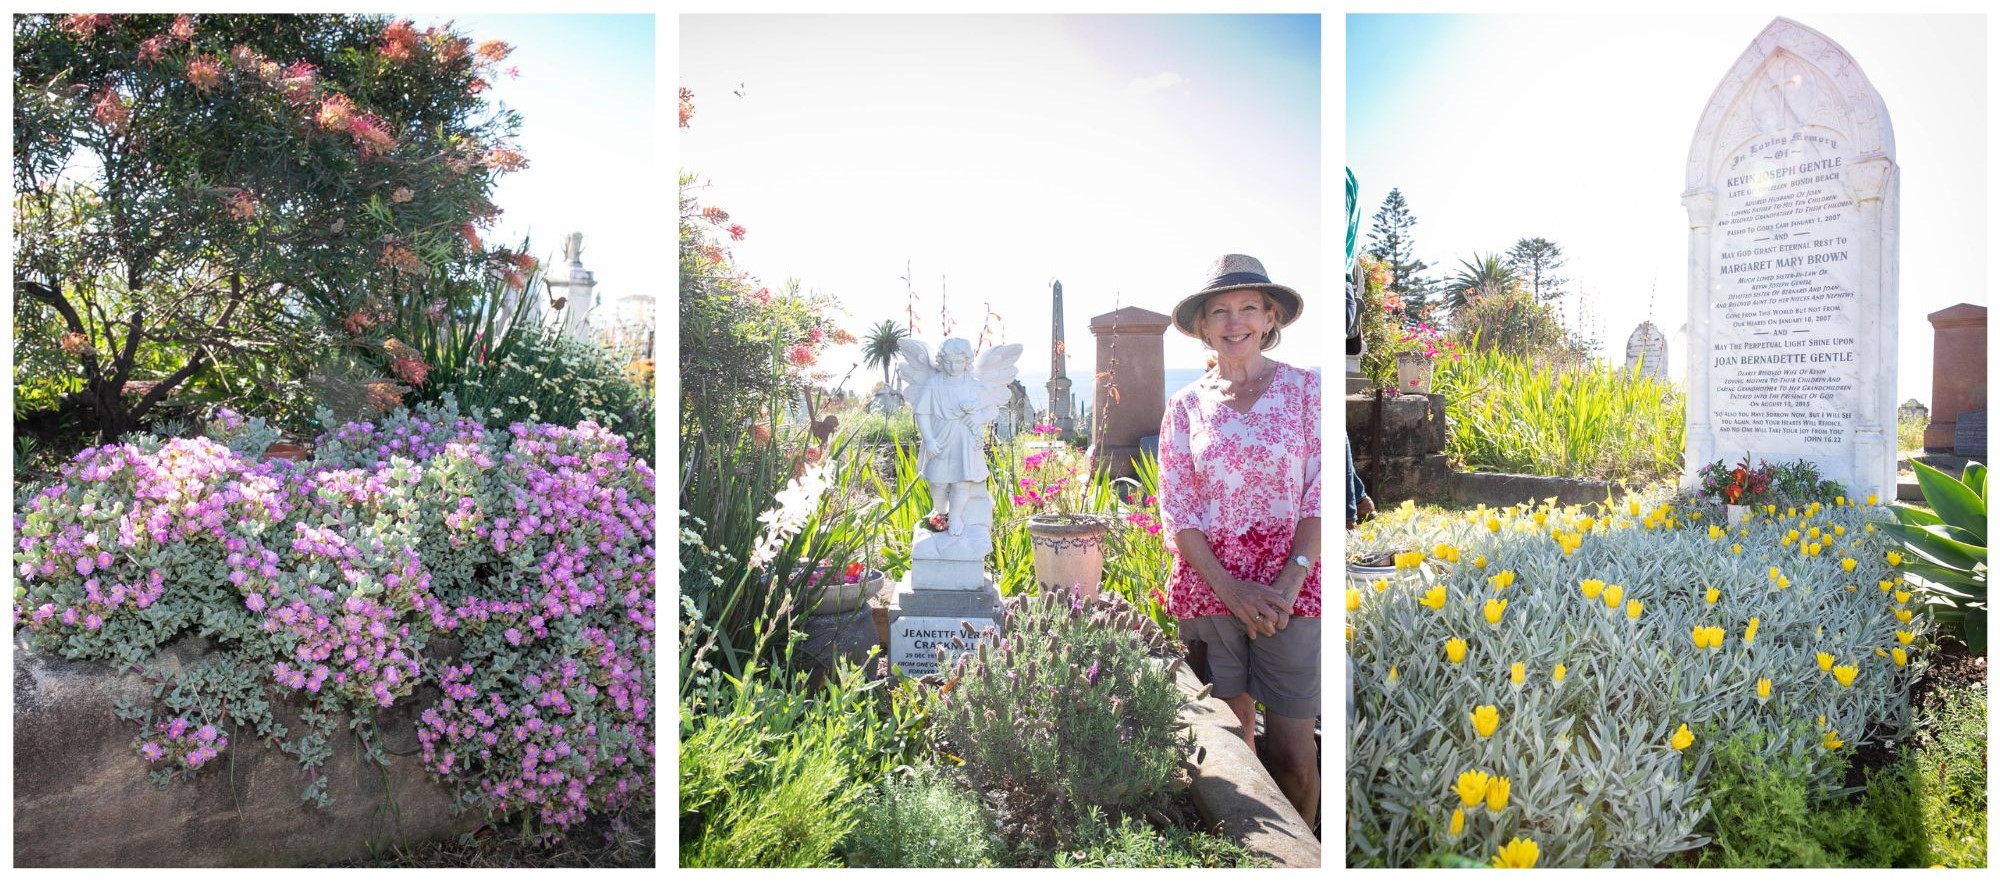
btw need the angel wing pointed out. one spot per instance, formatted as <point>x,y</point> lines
<point>995,369</point>
<point>917,368</point>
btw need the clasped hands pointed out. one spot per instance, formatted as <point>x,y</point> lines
<point>1263,609</point>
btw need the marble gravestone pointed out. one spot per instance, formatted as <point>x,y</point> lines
<point>1792,247</point>
<point>1646,352</point>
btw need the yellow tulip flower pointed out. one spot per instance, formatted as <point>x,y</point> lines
<point>1844,674</point>
<point>1903,615</point>
<point>1831,740</point>
<point>1518,674</point>
<point>1784,582</point>
<point>1699,634</point>
<point>1380,585</point>
<point>1736,548</point>
<point>1871,499</point>
<point>1839,530</point>
<point>1494,608</point>
<point>1633,608</point>
<point>1750,633</point>
<point>1902,597</point>
<point>1848,564</point>
<point>1894,558</point>
<point>1485,719</point>
<point>1904,637</point>
<point>1682,738</point>
<point>1592,587</point>
<point>1434,598</point>
<point>1454,649</point>
<point>1885,586</point>
<point>1457,822</point>
<point>1472,787</point>
<point>1613,595</point>
<point>1493,524</point>
<point>1502,580</point>
<point>1354,598</point>
<point>1713,595</point>
<point>1899,655</point>
<point>1714,531</point>
<point>1775,576</point>
<point>1479,562</point>
<point>1763,689</point>
<point>1517,854</point>
<point>1497,793</point>
<point>1825,662</point>
<point>1561,671</point>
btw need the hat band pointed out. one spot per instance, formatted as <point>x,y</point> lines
<point>1228,279</point>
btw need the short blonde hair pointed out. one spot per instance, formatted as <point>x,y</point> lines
<point>1201,316</point>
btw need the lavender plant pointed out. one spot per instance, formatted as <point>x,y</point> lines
<point>325,584</point>
<point>1065,711</point>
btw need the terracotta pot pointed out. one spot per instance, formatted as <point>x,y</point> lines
<point>844,597</point>
<point>1069,552</point>
<point>1413,375</point>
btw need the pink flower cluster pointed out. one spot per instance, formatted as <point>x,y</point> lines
<point>536,543</point>
<point>182,744</point>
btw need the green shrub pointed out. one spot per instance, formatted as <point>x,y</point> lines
<point>923,820</point>
<point>1098,842</point>
<point>1512,413</point>
<point>773,771</point>
<point>1065,711</point>
<point>551,377</point>
<point>1761,813</point>
<point>1910,434</point>
<point>1951,765</point>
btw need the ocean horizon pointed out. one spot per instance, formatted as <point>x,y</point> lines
<point>1081,387</point>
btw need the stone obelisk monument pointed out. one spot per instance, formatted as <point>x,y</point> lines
<point>1062,411</point>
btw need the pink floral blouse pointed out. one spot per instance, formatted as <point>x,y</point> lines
<point>1245,480</point>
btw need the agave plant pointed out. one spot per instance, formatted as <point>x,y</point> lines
<point>1950,547</point>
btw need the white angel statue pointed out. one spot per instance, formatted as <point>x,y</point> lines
<point>954,400</point>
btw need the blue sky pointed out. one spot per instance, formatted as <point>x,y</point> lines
<point>993,153</point>
<point>590,122</point>
<point>1576,128</point>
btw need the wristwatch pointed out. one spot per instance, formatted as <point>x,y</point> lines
<point>1305,563</point>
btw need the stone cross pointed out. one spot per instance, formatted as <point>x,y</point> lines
<point>1792,200</point>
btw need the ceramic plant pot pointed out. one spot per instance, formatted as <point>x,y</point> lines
<point>1069,552</point>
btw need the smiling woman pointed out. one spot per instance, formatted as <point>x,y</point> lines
<point>1240,495</point>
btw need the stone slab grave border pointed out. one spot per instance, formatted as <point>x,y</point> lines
<point>82,797</point>
<point>1792,201</point>
<point>1502,489</point>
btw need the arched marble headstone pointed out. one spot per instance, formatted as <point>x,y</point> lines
<point>1646,351</point>
<point>1792,242</point>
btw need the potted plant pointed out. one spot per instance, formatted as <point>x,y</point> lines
<point>1418,349</point>
<point>1737,488</point>
<point>841,589</point>
<point>1068,542</point>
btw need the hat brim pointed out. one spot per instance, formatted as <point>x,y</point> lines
<point>1290,304</point>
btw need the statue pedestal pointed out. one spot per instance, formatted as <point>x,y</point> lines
<point>947,600</point>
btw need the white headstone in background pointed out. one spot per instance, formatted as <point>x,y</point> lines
<point>1646,352</point>
<point>1792,242</point>
<point>575,289</point>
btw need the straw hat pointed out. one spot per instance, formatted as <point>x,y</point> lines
<point>1232,272</point>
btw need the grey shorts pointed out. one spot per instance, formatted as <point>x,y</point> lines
<point>1280,671</point>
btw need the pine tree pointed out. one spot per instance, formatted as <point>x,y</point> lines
<point>1391,241</point>
<point>1535,262</point>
